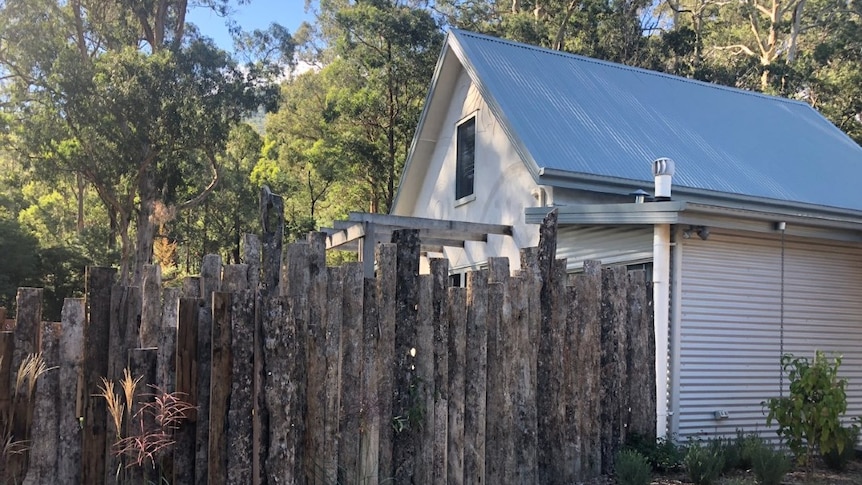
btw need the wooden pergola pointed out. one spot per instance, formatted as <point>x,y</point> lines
<point>362,231</point>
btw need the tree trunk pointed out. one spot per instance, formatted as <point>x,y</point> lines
<point>81,184</point>
<point>146,225</point>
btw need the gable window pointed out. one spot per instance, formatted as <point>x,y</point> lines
<point>465,159</point>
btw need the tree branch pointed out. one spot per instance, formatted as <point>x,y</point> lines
<point>193,202</point>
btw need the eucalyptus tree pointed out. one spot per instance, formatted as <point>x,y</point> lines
<point>126,95</point>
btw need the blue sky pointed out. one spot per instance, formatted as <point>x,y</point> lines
<point>255,15</point>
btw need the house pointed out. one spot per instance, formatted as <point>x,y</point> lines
<point>754,237</point>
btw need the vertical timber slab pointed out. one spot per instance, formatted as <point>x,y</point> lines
<point>317,467</point>
<point>251,257</point>
<point>151,306</point>
<point>7,348</point>
<point>330,396</point>
<point>96,338</point>
<point>439,269</point>
<point>404,404</point>
<point>425,382</point>
<point>522,346</point>
<point>210,283</point>
<point>28,325</point>
<point>475,376</point>
<point>220,387</point>
<point>457,315</point>
<point>167,366</point>
<point>614,342</point>
<point>239,418</point>
<point>3,320</point>
<point>499,444</point>
<point>370,400</point>
<point>640,358</point>
<point>269,273</point>
<point>350,424</point>
<point>142,363</point>
<point>386,314</point>
<point>186,388</point>
<point>235,278</point>
<point>45,427</point>
<point>583,341</point>
<point>71,377</point>
<point>551,369</point>
<point>191,287</point>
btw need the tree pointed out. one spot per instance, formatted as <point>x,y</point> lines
<point>125,95</point>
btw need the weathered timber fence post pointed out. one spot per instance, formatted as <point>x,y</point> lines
<point>28,340</point>
<point>210,283</point>
<point>526,316</point>
<point>240,429</point>
<point>330,326</point>
<point>142,364</point>
<point>220,387</point>
<point>96,340</point>
<point>425,347</point>
<point>369,402</point>
<point>440,390</point>
<point>69,401</point>
<point>457,342</point>
<point>387,256</point>
<point>405,406</point>
<point>476,369</point>
<point>640,353</point>
<point>614,343</point>
<point>500,443</point>
<point>350,424</point>
<point>151,306</point>
<point>45,426</point>
<point>186,378</point>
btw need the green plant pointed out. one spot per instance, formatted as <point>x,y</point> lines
<point>663,454</point>
<point>632,468</point>
<point>728,449</point>
<point>703,463</point>
<point>747,445</point>
<point>809,419</point>
<point>838,460</point>
<point>770,466</point>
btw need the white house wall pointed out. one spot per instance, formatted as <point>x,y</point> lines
<point>730,329</point>
<point>625,244</point>
<point>502,184</point>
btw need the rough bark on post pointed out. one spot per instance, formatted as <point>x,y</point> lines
<point>220,387</point>
<point>7,348</point>
<point>369,403</point>
<point>457,313</point>
<point>614,342</point>
<point>386,312</point>
<point>3,327</point>
<point>350,424</point>
<point>71,374</point>
<point>425,385</point>
<point>235,278</point>
<point>96,339</point>
<point>28,325</point>
<point>239,429</point>
<point>142,365</point>
<point>404,406</point>
<point>167,367</point>
<point>186,377</point>
<point>43,450</point>
<point>440,411</point>
<point>151,306</point>
<point>210,283</point>
<point>318,466</point>
<point>333,307</point>
<point>267,256</point>
<point>640,359</point>
<point>583,341</point>
<point>251,257</point>
<point>191,287</point>
<point>476,369</point>
<point>552,367</point>
<point>524,323</point>
<point>500,443</point>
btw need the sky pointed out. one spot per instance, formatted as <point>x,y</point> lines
<point>258,14</point>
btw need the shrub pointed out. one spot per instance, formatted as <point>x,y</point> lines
<point>728,449</point>
<point>703,463</point>
<point>809,419</point>
<point>837,460</point>
<point>663,454</point>
<point>632,468</point>
<point>770,466</point>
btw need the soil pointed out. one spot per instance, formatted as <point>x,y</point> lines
<point>852,475</point>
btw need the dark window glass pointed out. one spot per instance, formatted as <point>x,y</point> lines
<point>465,159</point>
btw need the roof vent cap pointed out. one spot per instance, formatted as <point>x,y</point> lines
<point>662,170</point>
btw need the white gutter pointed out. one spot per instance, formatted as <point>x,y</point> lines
<point>662,169</point>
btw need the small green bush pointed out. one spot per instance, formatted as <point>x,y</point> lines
<point>663,454</point>
<point>632,468</point>
<point>728,449</point>
<point>838,458</point>
<point>747,445</point>
<point>703,463</point>
<point>770,466</point>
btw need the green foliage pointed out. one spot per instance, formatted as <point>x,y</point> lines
<point>663,454</point>
<point>20,261</point>
<point>632,468</point>
<point>838,460</point>
<point>770,466</point>
<point>809,419</point>
<point>748,445</point>
<point>728,449</point>
<point>703,463</point>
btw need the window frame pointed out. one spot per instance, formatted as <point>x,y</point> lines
<point>464,193</point>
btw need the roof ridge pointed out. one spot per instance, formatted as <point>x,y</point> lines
<point>626,67</point>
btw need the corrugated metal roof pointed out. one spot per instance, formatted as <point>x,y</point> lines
<point>596,118</point>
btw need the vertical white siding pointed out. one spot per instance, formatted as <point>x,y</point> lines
<point>730,332</point>
<point>608,244</point>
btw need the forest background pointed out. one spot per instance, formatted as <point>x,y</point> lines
<point>128,137</point>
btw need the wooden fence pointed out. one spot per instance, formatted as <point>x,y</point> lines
<point>302,373</point>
